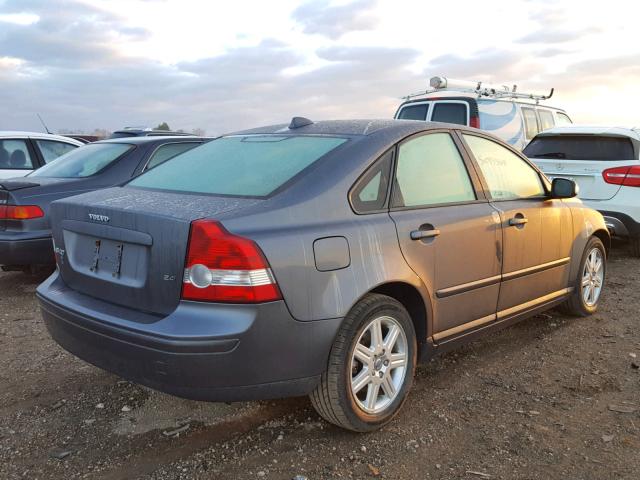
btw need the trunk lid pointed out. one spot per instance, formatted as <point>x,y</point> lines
<point>127,246</point>
<point>586,173</point>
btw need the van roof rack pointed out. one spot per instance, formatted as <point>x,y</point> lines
<point>481,89</point>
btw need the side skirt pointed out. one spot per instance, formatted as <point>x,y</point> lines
<point>477,329</point>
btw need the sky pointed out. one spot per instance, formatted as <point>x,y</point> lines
<point>227,65</point>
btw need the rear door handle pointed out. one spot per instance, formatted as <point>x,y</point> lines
<point>517,221</point>
<point>421,234</point>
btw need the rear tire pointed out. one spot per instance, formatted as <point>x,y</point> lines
<point>634,246</point>
<point>371,366</point>
<point>589,282</point>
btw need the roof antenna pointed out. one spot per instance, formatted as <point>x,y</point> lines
<point>297,122</point>
<point>43,124</point>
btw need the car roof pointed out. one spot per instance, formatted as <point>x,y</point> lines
<point>592,130</point>
<point>152,138</point>
<point>453,94</point>
<point>355,128</point>
<point>43,136</point>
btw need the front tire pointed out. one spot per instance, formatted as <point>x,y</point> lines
<point>590,282</point>
<point>371,366</point>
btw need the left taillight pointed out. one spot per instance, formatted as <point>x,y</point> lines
<point>626,176</point>
<point>227,268</point>
<point>20,212</point>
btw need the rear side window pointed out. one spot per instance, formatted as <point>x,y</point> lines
<point>530,122</point>
<point>580,147</point>
<point>167,151</point>
<point>450,113</point>
<point>251,165</point>
<point>414,112</point>
<point>430,171</point>
<point>563,119</point>
<point>370,192</point>
<point>546,119</point>
<point>51,149</point>
<point>507,175</point>
<point>84,161</point>
<point>14,155</point>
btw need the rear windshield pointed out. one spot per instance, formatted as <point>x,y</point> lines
<point>254,165</point>
<point>83,161</point>
<point>580,147</point>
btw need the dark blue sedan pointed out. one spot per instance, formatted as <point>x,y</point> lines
<point>25,230</point>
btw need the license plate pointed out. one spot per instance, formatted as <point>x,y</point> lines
<point>107,256</point>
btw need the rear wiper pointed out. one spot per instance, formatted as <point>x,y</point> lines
<point>550,154</point>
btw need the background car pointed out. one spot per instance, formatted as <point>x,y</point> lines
<point>25,227</point>
<point>514,116</point>
<point>23,152</point>
<point>147,132</point>
<point>605,163</point>
<point>320,259</point>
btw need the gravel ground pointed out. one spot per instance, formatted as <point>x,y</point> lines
<point>550,398</point>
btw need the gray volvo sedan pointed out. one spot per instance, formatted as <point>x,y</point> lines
<point>316,258</point>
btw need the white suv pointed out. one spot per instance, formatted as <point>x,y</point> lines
<point>605,163</point>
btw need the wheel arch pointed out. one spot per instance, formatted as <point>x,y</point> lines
<point>411,298</point>
<point>605,238</point>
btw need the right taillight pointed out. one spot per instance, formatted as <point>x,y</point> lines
<point>20,212</point>
<point>222,267</point>
<point>629,176</point>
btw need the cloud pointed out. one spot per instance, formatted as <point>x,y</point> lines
<point>546,35</point>
<point>319,17</point>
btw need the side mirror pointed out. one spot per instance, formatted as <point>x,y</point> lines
<point>564,188</point>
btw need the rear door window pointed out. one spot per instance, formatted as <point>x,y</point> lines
<point>450,112</point>
<point>167,151</point>
<point>581,147</point>
<point>51,149</point>
<point>530,122</point>
<point>243,165</point>
<point>546,119</point>
<point>414,112</point>
<point>431,171</point>
<point>14,155</point>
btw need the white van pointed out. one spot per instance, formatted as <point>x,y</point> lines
<point>513,116</point>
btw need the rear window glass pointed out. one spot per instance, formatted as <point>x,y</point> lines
<point>580,147</point>
<point>450,113</point>
<point>83,161</point>
<point>414,112</point>
<point>253,165</point>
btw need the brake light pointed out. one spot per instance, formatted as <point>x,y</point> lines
<point>474,122</point>
<point>628,176</point>
<point>20,212</point>
<point>222,267</point>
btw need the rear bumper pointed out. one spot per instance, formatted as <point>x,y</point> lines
<point>201,351</point>
<point>26,248</point>
<point>621,224</point>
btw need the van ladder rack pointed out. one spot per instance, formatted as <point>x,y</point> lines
<point>443,84</point>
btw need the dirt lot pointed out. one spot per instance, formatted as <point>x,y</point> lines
<point>551,398</point>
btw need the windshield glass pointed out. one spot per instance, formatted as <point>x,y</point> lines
<point>254,165</point>
<point>580,147</point>
<point>83,161</point>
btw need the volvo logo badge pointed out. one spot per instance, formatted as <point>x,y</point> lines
<point>98,218</point>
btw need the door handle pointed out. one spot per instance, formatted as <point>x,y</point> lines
<point>518,221</point>
<point>422,234</point>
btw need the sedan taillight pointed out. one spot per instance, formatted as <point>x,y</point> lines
<point>628,176</point>
<point>20,212</point>
<point>222,267</point>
